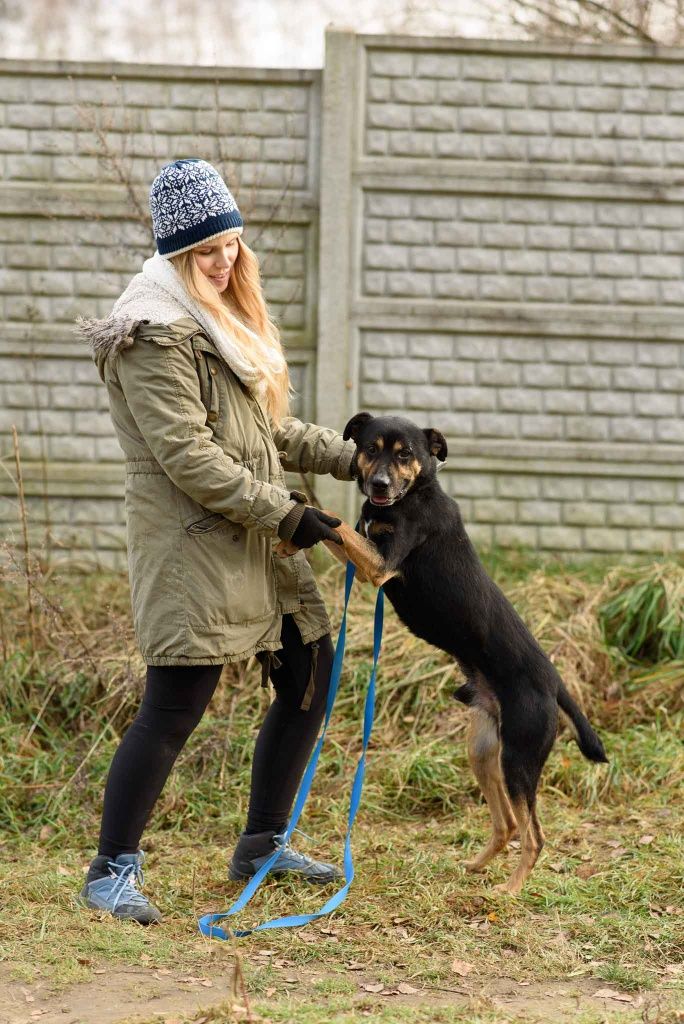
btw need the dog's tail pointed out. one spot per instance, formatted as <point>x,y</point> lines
<point>586,738</point>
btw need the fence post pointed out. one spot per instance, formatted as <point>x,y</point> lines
<point>336,370</point>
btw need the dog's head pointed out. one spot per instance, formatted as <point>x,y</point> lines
<point>392,453</point>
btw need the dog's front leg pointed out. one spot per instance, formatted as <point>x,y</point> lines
<point>355,548</point>
<point>371,566</point>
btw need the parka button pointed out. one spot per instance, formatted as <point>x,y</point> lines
<point>211,416</point>
<point>213,370</point>
<point>236,536</point>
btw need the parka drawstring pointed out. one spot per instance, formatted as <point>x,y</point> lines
<point>270,658</point>
<point>311,686</point>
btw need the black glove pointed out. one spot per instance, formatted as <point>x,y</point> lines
<point>314,526</point>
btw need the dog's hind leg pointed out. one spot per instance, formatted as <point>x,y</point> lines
<point>522,760</point>
<point>531,844</point>
<point>484,754</point>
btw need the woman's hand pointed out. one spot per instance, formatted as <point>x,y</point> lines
<point>314,526</point>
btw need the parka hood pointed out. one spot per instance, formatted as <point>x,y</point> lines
<point>107,337</point>
<point>140,302</point>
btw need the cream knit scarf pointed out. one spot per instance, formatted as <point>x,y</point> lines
<point>168,290</point>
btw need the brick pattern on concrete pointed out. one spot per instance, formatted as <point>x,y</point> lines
<point>64,129</point>
<point>537,110</point>
<point>56,135</point>
<point>522,219</point>
<point>51,272</point>
<point>528,388</point>
<point>629,515</point>
<point>513,249</point>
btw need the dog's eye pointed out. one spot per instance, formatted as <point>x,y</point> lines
<point>404,454</point>
<point>372,449</point>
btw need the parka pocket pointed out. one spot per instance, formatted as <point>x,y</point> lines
<point>206,523</point>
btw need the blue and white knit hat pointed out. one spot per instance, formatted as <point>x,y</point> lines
<point>190,203</point>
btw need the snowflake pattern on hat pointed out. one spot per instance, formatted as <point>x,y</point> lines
<point>190,202</point>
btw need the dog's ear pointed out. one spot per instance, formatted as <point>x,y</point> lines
<point>436,443</point>
<point>355,424</point>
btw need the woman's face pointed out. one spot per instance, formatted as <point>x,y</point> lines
<point>216,258</point>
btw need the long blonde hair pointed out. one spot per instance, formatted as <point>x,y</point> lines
<point>242,305</point>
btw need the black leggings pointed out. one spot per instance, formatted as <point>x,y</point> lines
<point>174,701</point>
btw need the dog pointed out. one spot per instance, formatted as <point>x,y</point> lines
<point>413,542</point>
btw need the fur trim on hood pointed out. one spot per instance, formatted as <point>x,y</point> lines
<point>106,338</point>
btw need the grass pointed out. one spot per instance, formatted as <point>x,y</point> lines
<point>605,901</point>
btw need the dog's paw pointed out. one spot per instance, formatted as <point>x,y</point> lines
<point>507,888</point>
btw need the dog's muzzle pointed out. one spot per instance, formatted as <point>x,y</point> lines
<point>382,500</point>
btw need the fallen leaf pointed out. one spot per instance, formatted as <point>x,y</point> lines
<point>614,843</point>
<point>611,993</point>
<point>100,970</point>
<point>462,968</point>
<point>493,916</point>
<point>586,870</point>
<point>356,965</point>
<point>373,986</point>
<point>406,989</point>
<point>646,840</point>
<point>207,983</point>
<point>269,992</point>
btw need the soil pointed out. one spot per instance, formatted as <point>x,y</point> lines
<point>143,993</point>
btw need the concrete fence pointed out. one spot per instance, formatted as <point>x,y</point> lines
<point>487,237</point>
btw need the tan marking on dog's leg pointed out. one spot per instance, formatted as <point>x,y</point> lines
<point>365,556</point>
<point>531,843</point>
<point>370,565</point>
<point>484,754</point>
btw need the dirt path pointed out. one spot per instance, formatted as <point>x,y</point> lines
<point>143,993</point>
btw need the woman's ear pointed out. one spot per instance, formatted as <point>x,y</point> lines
<point>355,425</point>
<point>436,443</point>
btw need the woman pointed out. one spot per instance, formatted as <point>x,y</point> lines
<point>198,392</point>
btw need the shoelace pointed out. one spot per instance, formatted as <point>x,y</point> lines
<point>126,884</point>
<point>289,849</point>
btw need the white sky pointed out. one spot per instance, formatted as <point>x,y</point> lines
<point>264,33</point>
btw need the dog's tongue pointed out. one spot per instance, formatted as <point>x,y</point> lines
<point>380,501</point>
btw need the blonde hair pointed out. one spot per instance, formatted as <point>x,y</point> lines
<point>241,311</point>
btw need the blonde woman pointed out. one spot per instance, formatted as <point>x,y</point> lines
<point>198,391</point>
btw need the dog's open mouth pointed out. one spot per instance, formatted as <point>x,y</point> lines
<point>386,499</point>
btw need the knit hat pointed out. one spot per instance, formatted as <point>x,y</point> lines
<point>190,203</point>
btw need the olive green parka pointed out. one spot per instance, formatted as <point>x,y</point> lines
<point>205,494</point>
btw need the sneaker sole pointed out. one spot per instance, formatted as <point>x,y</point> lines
<point>83,901</point>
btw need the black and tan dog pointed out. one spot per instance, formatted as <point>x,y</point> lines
<point>439,588</point>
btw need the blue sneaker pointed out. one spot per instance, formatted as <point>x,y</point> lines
<point>254,850</point>
<point>111,885</point>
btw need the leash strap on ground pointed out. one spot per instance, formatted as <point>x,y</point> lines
<point>207,923</point>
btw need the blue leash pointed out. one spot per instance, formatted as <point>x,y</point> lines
<point>207,923</point>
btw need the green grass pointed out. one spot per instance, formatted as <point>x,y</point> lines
<point>605,901</point>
